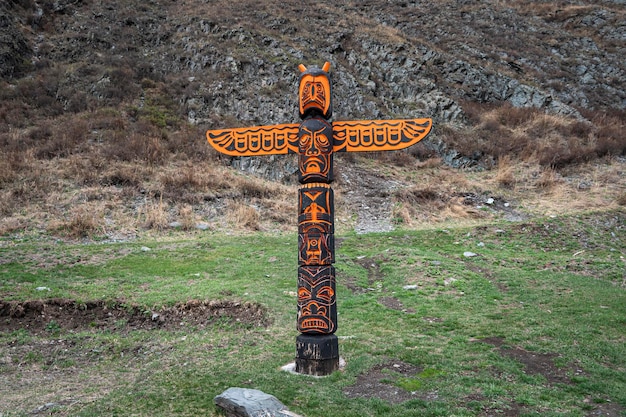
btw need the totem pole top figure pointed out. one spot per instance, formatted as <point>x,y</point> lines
<point>315,92</point>
<point>315,102</point>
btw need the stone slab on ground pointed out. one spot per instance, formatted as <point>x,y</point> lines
<point>245,402</point>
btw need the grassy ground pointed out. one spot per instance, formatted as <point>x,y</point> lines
<point>534,324</point>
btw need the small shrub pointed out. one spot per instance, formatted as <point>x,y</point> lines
<point>135,147</point>
<point>514,117</point>
<point>547,179</point>
<point>154,216</point>
<point>8,172</point>
<point>186,142</point>
<point>402,215</point>
<point>417,195</point>
<point>64,140</point>
<point>121,176</point>
<point>186,217</point>
<point>505,176</point>
<point>430,163</point>
<point>243,216</point>
<point>82,223</point>
<point>401,159</point>
<point>251,187</point>
<point>107,118</point>
<point>10,224</point>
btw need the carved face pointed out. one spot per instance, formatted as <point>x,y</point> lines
<point>315,92</point>
<point>315,148</point>
<point>317,309</point>
<point>316,247</point>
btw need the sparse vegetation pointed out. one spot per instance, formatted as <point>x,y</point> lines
<point>102,121</point>
<point>534,323</point>
<point>120,121</point>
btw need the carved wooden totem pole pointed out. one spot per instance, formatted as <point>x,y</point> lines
<point>315,140</point>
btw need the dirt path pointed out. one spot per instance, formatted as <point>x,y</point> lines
<point>369,194</point>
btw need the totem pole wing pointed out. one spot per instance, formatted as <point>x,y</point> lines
<point>379,135</point>
<point>255,141</point>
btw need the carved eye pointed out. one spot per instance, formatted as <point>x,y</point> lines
<point>326,293</point>
<point>304,294</point>
<point>319,87</point>
<point>322,140</point>
<point>305,140</point>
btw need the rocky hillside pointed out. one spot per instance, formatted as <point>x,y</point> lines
<point>225,60</point>
<point>99,84</point>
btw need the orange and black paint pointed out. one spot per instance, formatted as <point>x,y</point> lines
<point>315,140</point>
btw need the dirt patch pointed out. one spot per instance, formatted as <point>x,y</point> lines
<point>507,410</point>
<point>49,316</point>
<point>392,303</point>
<point>605,409</point>
<point>536,363</point>
<point>369,194</point>
<point>383,382</point>
<point>373,275</point>
<point>373,269</point>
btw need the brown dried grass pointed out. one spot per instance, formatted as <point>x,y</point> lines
<point>242,216</point>
<point>548,179</point>
<point>505,174</point>
<point>186,217</point>
<point>83,221</point>
<point>154,215</point>
<point>525,133</point>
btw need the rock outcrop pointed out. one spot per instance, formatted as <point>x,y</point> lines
<point>235,63</point>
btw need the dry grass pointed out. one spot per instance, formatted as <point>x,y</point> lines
<point>242,216</point>
<point>83,221</point>
<point>186,217</point>
<point>548,179</point>
<point>126,197</point>
<point>496,131</point>
<point>442,195</point>
<point>154,215</point>
<point>505,174</point>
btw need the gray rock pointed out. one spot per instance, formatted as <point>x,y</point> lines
<point>202,226</point>
<point>245,402</point>
<point>469,254</point>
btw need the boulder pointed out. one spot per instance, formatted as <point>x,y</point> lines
<point>245,402</point>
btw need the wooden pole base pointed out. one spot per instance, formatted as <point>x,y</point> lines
<point>317,355</point>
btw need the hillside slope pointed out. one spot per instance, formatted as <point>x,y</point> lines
<point>108,100</point>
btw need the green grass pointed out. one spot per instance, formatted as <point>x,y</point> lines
<point>550,287</point>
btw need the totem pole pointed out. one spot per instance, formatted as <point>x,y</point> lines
<point>315,140</point>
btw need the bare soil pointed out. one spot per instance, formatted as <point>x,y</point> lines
<point>53,315</point>
<point>380,382</point>
<point>536,363</point>
<point>368,193</point>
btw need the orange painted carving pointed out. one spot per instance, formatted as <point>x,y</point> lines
<point>379,135</point>
<point>349,136</point>
<point>314,91</point>
<point>255,141</point>
<point>317,302</point>
<point>315,147</point>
